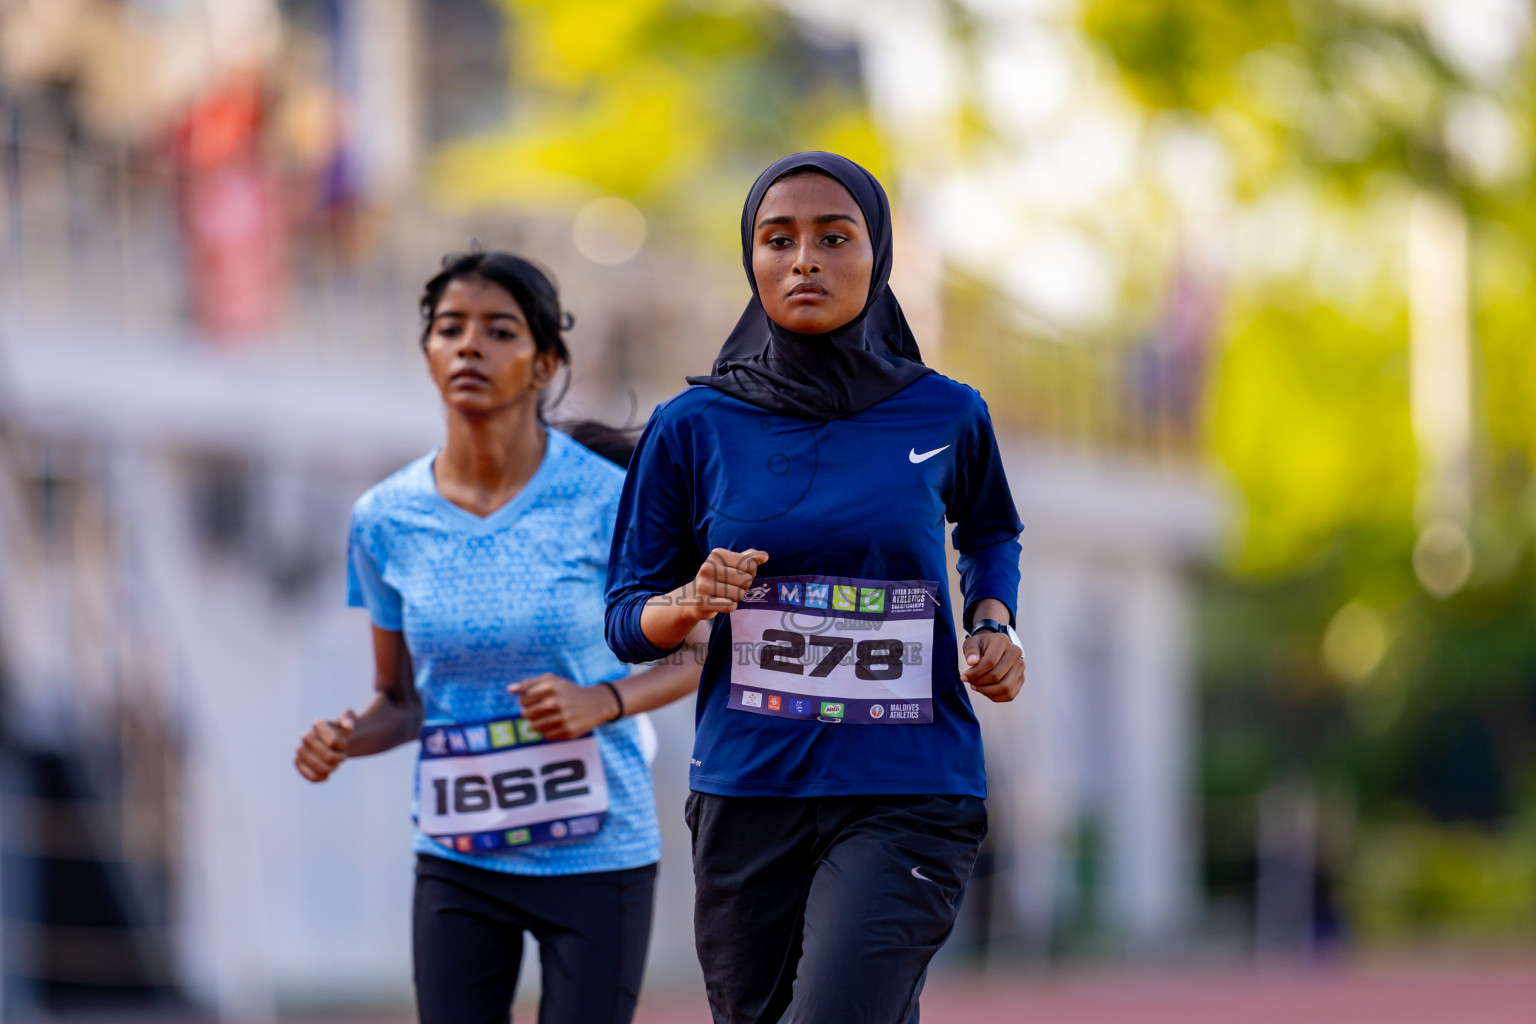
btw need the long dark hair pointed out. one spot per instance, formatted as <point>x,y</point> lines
<point>534,289</point>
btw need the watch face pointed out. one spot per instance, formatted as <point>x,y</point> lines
<point>1013,638</point>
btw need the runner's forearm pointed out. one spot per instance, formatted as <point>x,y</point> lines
<point>666,619</point>
<point>990,572</point>
<point>991,608</point>
<point>386,723</point>
<point>667,681</point>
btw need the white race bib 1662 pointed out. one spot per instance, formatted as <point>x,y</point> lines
<point>491,785</point>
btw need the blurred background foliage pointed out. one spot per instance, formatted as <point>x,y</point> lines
<point>623,111</point>
<point>1411,716</point>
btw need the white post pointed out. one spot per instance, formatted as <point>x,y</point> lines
<point>381,35</point>
<point>1441,389</point>
<point>1150,857</point>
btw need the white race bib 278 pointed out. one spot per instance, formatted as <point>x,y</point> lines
<point>492,785</point>
<point>821,648</point>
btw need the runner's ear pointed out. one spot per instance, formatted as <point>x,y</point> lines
<point>545,365</point>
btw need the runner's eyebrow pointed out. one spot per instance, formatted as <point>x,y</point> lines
<point>820,218</point>
<point>458,315</point>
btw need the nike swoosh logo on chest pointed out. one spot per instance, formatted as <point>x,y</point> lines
<point>913,457</point>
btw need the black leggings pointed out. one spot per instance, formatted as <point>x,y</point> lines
<point>592,930</point>
<point>809,911</point>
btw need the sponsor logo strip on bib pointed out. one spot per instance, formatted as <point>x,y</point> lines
<point>493,785</point>
<point>835,650</point>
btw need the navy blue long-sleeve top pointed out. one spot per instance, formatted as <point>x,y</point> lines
<point>861,500</point>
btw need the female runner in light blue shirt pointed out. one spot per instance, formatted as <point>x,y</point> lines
<point>481,566</point>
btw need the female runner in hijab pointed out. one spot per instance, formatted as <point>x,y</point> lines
<point>837,780</point>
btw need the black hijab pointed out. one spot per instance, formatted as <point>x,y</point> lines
<point>821,376</point>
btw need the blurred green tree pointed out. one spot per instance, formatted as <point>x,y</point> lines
<point>1325,659</point>
<point>669,104</point>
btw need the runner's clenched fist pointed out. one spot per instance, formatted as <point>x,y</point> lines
<point>324,747</point>
<point>717,587</point>
<point>561,710</point>
<point>722,581</point>
<point>994,666</point>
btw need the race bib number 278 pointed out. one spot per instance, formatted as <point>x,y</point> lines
<point>487,786</point>
<point>835,650</point>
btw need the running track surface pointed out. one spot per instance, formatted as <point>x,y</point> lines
<point>1503,993</point>
<point>1501,990</point>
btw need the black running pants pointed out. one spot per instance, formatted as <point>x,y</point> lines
<point>826,910</point>
<point>592,930</point>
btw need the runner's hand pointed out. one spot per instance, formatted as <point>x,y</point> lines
<point>560,709</point>
<point>995,667</point>
<point>722,581</point>
<point>324,747</point>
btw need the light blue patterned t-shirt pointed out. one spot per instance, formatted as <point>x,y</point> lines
<point>488,602</point>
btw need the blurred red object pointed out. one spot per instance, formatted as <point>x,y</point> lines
<point>231,220</point>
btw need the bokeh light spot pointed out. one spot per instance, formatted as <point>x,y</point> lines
<point>609,231</point>
<point>1355,642</point>
<point>1442,558</point>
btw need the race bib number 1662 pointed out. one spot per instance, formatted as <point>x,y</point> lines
<point>491,785</point>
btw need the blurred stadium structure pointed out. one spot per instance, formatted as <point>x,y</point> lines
<point>215,216</point>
